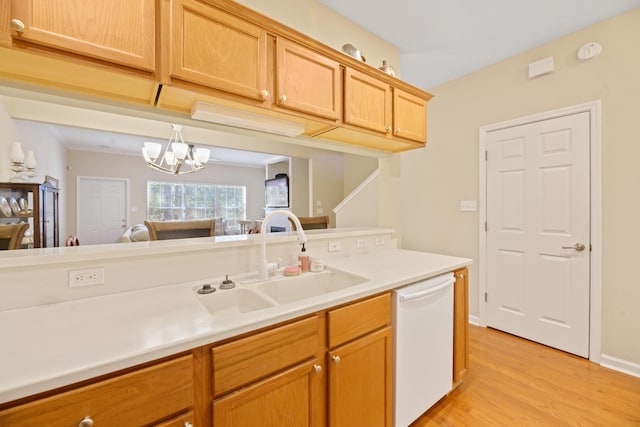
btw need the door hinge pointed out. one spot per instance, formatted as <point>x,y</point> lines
<point>486,155</point>
<point>485,297</point>
<point>486,226</point>
<point>590,248</point>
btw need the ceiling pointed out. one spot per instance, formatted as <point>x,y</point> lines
<point>84,139</point>
<point>92,140</point>
<point>440,40</point>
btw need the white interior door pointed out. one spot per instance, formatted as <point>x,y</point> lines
<point>538,222</point>
<point>102,209</point>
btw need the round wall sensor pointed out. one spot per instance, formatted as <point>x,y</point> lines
<point>588,51</point>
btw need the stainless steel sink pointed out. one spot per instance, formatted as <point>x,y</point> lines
<point>224,303</point>
<point>308,285</point>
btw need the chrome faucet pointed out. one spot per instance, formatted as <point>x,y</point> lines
<point>302,238</point>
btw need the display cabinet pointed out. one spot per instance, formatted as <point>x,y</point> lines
<point>35,203</point>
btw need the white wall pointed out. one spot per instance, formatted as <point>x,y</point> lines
<point>325,25</point>
<point>49,153</point>
<point>435,179</point>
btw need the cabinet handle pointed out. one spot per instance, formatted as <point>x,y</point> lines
<point>86,422</point>
<point>264,94</point>
<point>17,25</point>
<point>317,368</point>
<point>336,359</point>
<point>282,99</point>
<point>397,131</point>
<point>388,129</point>
<point>187,424</point>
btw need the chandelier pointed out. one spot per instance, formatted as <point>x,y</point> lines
<point>178,158</point>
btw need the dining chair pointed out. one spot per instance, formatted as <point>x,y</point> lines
<point>311,222</point>
<point>164,230</point>
<point>11,235</point>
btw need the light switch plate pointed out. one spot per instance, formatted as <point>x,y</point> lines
<point>468,206</point>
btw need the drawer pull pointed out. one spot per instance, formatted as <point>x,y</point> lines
<point>317,368</point>
<point>86,422</point>
<point>187,424</point>
<point>283,99</point>
<point>336,359</point>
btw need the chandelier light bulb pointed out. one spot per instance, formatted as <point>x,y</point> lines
<point>202,155</point>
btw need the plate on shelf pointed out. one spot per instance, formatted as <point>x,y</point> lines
<point>4,207</point>
<point>14,205</point>
<point>23,204</point>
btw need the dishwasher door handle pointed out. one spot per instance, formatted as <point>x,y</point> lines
<point>426,292</point>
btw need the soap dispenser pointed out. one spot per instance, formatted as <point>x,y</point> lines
<point>303,259</point>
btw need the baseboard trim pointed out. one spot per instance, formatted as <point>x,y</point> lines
<point>620,365</point>
<point>474,320</point>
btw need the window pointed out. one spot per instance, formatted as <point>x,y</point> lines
<point>178,201</point>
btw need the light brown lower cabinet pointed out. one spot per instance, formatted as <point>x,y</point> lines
<point>360,382</point>
<point>290,398</point>
<point>360,363</point>
<point>460,325</point>
<point>146,396</point>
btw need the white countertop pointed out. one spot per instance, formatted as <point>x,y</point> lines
<point>49,346</point>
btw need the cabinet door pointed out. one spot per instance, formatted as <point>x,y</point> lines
<point>409,116</point>
<point>293,398</point>
<point>360,386</point>
<point>307,81</point>
<point>460,325</point>
<point>215,49</point>
<point>119,31</point>
<point>367,102</point>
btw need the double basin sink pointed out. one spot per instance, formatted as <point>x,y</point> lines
<point>245,298</point>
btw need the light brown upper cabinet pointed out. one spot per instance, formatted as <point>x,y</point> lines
<point>372,104</point>
<point>307,81</point>
<point>213,48</point>
<point>367,102</point>
<point>409,116</point>
<point>117,31</point>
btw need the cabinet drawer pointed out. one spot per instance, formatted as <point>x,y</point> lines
<point>355,320</point>
<point>248,359</point>
<point>133,399</point>
<point>182,420</point>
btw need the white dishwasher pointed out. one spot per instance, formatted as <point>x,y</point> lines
<point>423,362</point>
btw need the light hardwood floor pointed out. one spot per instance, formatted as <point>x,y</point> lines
<point>515,382</point>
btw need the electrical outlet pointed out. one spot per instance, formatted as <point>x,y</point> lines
<point>361,243</point>
<point>334,247</point>
<point>88,277</point>
<point>379,241</point>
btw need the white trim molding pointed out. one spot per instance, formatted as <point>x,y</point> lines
<point>620,365</point>
<point>594,109</point>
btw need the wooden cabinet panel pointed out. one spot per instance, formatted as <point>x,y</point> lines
<point>460,325</point>
<point>215,49</point>
<point>354,320</point>
<point>249,359</point>
<point>119,31</point>
<point>292,398</point>
<point>367,102</point>
<point>409,116</point>
<point>136,398</point>
<point>307,81</point>
<point>360,382</point>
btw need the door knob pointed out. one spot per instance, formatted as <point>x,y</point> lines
<point>578,247</point>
